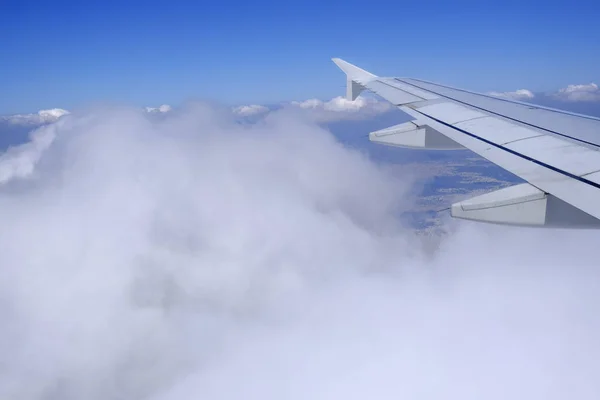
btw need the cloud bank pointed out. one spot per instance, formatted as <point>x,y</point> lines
<point>193,256</point>
<point>337,108</point>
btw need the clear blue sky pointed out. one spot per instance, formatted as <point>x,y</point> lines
<point>70,54</point>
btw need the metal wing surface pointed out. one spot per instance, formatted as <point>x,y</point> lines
<point>555,151</point>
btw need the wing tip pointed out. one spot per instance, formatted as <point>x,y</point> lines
<point>352,71</point>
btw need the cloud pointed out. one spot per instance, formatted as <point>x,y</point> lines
<point>43,117</point>
<point>324,111</point>
<point>19,161</point>
<point>341,104</point>
<point>253,109</point>
<point>193,256</point>
<point>139,226</point>
<point>577,93</point>
<point>520,94</point>
<point>39,118</point>
<point>340,108</point>
<point>161,109</point>
<point>336,109</point>
<point>572,93</point>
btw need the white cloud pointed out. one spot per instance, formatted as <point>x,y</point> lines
<point>20,161</point>
<point>586,92</point>
<point>253,109</point>
<point>335,109</point>
<point>341,104</point>
<point>520,94</point>
<point>339,108</point>
<point>161,109</point>
<point>138,238</point>
<point>310,103</point>
<point>193,256</point>
<point>54,113</point>
<point>39,118</point>
<point>572,93</point>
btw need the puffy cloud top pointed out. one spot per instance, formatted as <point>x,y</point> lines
<point>585,92</point>
<point>39,118</point>
<point>162,109</point>
<point>341,104</point>
<point>252,109</point>
<point>572,93</point>
<point>520,94</point>
<point>337,108</point>
<point>340,108</point>
<point>53,113</point>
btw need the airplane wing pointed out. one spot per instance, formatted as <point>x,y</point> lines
<point>555,152</point>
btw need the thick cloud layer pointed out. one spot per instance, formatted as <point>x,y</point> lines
<point>193,256</point>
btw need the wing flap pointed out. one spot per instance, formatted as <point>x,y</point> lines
<point>528,143</point>
<point>523,205</point>
<point>583,193</point>
<point>415,135</point>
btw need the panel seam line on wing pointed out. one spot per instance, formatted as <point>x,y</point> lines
<point>521,139</point>
<point>516,153</point>
<point>503,116</point>
<point>589,173</point>
<point>532,106</point>
<point>397,88</point>
<point>471,119</point>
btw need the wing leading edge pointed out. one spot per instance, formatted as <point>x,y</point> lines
<point>555,152</point>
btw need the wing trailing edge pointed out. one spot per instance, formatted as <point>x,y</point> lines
<point>523,205</point>
<point>415,134</point>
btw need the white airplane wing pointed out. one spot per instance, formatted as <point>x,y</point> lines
<point>555,151</point>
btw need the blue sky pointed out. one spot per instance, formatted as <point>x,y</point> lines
<point>72,54</point>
